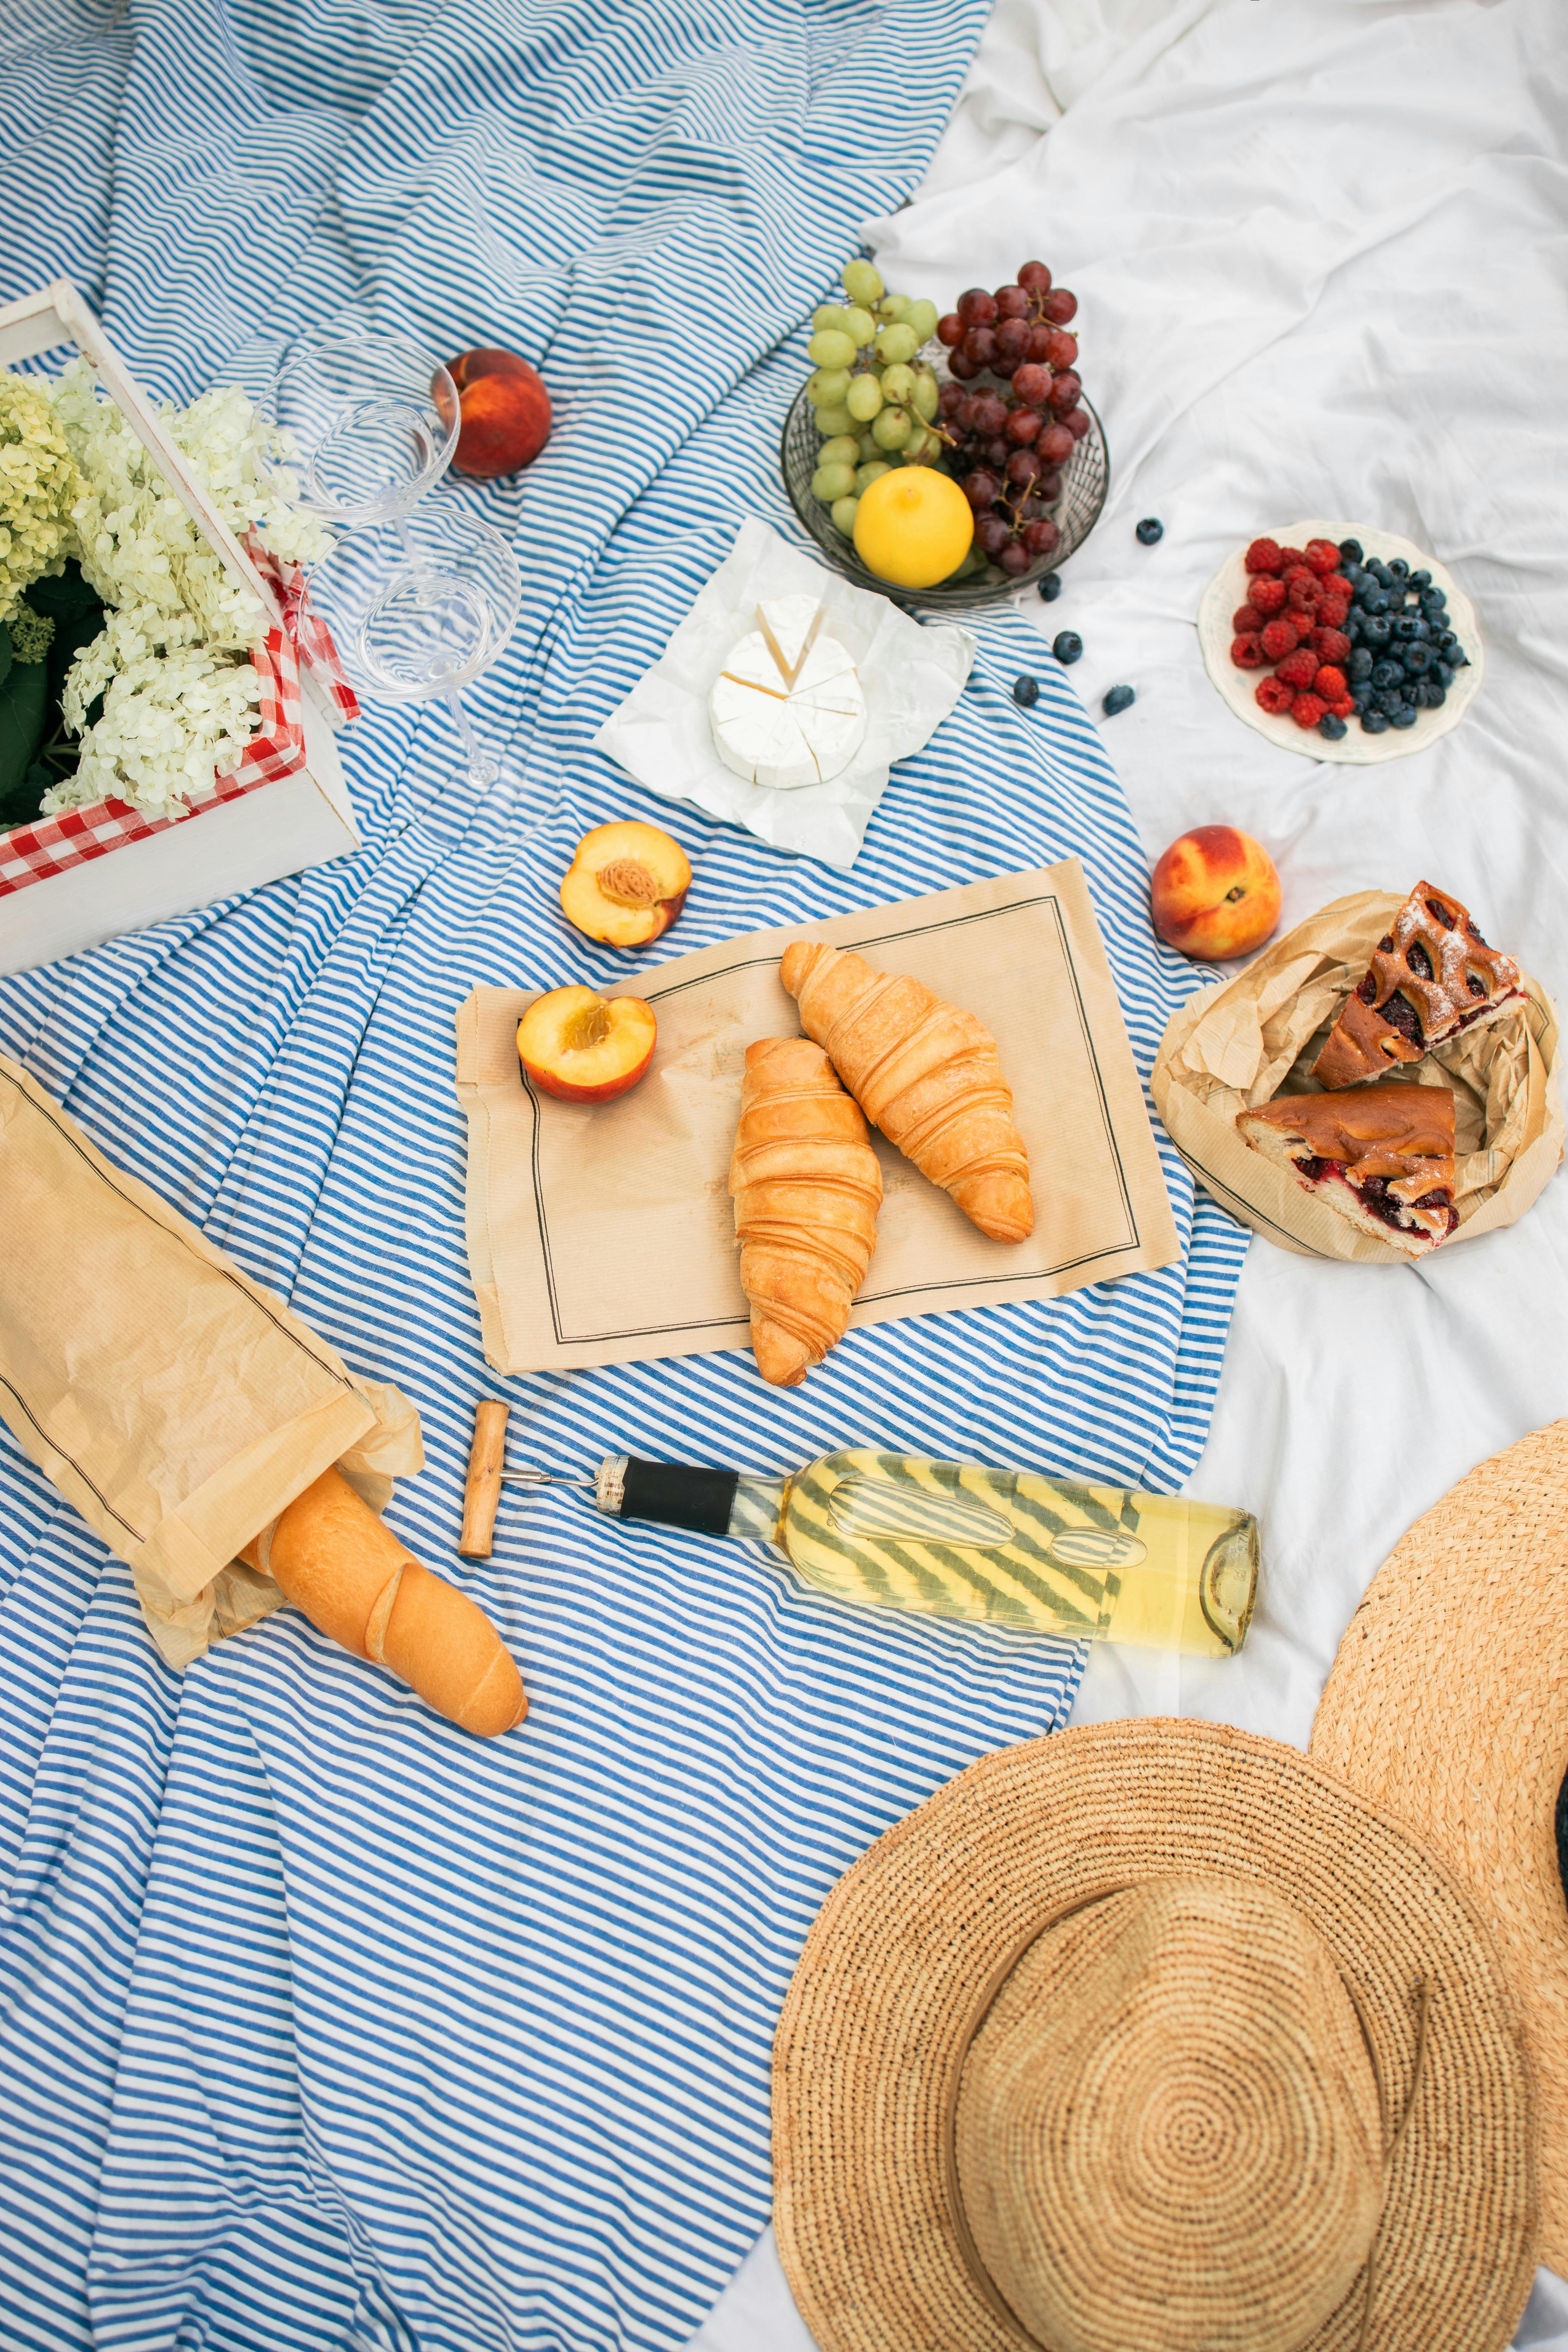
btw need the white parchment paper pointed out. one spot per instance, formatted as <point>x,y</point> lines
<point>911,677</point>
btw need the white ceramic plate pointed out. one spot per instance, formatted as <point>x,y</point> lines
<point>1229,588</point>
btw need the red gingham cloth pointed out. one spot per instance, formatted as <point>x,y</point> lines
<point>52,845</point>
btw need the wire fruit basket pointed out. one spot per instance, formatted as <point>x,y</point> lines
<point>1085,479</point>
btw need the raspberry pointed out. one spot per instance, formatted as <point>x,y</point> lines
<point>1274,697</point>
<point>1333,612</point>
<point>1336,584</point>
<point>1289,557</point>
<point>1333,646</point>
<point>1298,669</point>
<point>1262,556</point>
<point>1279,638</point>
<point>1343,709</point>
<point>1322,555</point>
<point>1246,652</point>
<point>1266,593</point>
<point>1247,620</point>
<point>1306,709</point>
<point>1330,683</point>
<point>1305,594</point>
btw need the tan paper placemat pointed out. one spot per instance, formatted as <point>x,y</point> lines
<point>602,1233</point>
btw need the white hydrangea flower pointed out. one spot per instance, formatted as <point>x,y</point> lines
<point>38,486</point>
<point>172,660</point>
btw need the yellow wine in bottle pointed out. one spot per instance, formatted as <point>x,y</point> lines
<point>1060,1556</point>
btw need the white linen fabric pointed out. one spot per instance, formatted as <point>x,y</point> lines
<point>1317,249</point>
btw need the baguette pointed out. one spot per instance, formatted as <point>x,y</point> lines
<point>334,1559</point>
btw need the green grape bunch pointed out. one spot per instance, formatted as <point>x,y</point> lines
<point>875,399</point>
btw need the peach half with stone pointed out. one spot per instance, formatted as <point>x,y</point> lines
<point>584,1047</point>
<point>625,884</point>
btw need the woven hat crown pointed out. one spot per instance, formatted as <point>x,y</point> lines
<point>1168,2127</point>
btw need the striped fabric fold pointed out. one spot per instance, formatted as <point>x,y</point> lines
<point>325,2026</point>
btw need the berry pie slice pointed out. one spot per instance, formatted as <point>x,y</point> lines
<point>1382,1155</point>
<point>1432,975</point>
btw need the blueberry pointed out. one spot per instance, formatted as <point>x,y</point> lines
<point>1408,691</point>
<point>1373,722</point>
<point>1404,717</point>
<point>1351,626</point>
<point>1417,660</point>
<point>1331,727</point>
<point>1380,570</point>
<point>1377,629</point>
<point>1398,569</point>
<point>1437,694</point>
<point>1374,601</point>
<point>1359,663</point>
<point>1428,696</point>
<point>1351,550</point>
<point>1442,672</point>
<point>1389,700</point>
<point>1027,691</point>
<point>1051,587</point>
<point>1422,632</point>
<point>1404,626</point>
<point>1459,657</point>
<point>1438,596</point>
<point>1118,698</point>
<point>1362,697</point>
<point>1385,673</point>
<point>1421,579</point>
<point>1151,530</point>
<point>1069,647</point>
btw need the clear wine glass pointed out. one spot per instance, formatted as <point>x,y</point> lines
<point>372,420</point>
<point>418,608</point>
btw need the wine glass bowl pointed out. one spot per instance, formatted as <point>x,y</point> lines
<point>1085,481</point>
<point>420,607</point>
<point>372,421</point>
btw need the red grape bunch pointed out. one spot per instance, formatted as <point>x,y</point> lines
<point>1011,413</point>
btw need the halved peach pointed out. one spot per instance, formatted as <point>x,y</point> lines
<point>584,1047</point>
<point>625,884</point>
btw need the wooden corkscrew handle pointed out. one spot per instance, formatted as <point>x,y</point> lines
<point>481,1491</point>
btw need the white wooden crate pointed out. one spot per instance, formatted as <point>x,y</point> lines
<point>277,828</point>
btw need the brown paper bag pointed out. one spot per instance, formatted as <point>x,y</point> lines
<point>1248,1039</point>
<point>174,1401</point>
<point>603,1233</point>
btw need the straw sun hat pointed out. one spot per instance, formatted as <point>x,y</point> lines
<point>1150,2037</point>
<point>1447,1706</point>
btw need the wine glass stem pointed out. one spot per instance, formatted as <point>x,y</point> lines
<point>481,768</point>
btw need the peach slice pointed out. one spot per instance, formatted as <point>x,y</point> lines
<point>625,884</point>
<point>584,1047</point>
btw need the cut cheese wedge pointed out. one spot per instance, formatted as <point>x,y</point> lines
<point>787,710</point>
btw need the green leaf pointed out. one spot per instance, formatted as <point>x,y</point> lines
<point>6,653</point>
<point>24,706</point>
<point>60,594</point>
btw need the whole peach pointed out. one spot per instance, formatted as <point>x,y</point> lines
<point>504,412</point>
<point>1215,894</point>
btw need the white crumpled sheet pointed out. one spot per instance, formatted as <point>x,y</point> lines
<point>1317,245</point>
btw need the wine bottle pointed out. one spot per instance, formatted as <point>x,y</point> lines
<point>1062,1556</point>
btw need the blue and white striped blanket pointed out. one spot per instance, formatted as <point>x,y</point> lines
<point>323,2025</point>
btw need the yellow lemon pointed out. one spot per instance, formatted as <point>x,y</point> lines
<point>913,526</point>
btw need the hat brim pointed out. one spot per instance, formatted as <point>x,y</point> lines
<point>1447,1708</point>
<point>879,2012</point>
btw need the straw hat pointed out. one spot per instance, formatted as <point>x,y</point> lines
<point>1447,1706</point>
<point>1150,2037</point>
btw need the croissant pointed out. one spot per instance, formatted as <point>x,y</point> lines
<point>806,1189</point>
<point>923,1072</point>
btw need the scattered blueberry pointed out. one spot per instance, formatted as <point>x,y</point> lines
<point>1067,646</point>
<point>1404,717</point>
<point>1151,530</point>
<point>1118,698</point>
<point>1421,579</point>
<point>1351,551</point>
<point>1358,663</point>
<point>1374,722</point>
<point>1051,587</point>
<point>1027,691</point>
<point>1398,569</point>
<point>1330,726</point>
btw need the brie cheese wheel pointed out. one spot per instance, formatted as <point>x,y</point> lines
<point>787,709</point>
